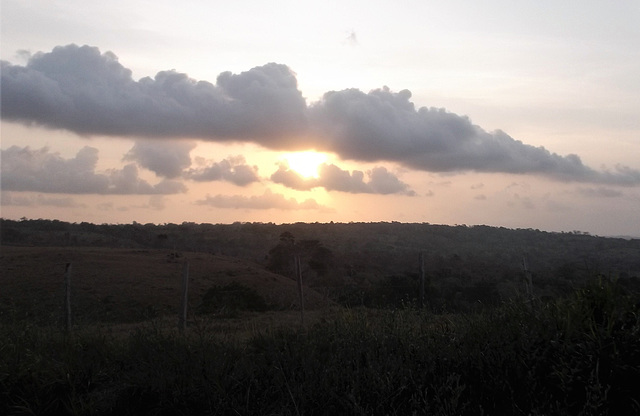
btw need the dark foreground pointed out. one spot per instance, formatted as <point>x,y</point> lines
<point>575,355</point>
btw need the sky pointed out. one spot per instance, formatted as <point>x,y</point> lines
<point>518,114</point>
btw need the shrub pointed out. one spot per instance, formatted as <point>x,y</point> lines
<point>231,298</point>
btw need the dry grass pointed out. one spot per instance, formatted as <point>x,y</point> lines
<point>126,285</point>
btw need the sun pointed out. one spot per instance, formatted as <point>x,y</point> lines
<point>305,163</point>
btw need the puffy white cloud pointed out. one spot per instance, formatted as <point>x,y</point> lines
<point>88,92</point>
<point>39,170</point>
<point>332,178</point>
<point>268,200</point>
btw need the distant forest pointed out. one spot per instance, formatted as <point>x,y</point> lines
<point>377,264</point>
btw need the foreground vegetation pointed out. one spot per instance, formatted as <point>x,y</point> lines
<point>579,354</point>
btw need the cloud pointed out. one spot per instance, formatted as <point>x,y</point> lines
<point>84,91</point>
<point>9,198</point>
<point>232,169</point>
<point>38,170</point>
<point>105,206</point>
<point>351,38</point>
<point>268,200</point>
<point>126,181</point>
<point>171,159</point>
<point>157,202</point>
<point>384,125</point>
<point>384,182</point>
<point>600,192</point>
<point>332,178</point>
<point>164,158</point>
<point>524,202</point>
<point>79,89</point>
<point>292,179</point>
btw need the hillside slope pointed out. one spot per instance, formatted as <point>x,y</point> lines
<point>128,285</point>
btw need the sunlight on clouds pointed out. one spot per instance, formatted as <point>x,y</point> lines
<point>305,163</point>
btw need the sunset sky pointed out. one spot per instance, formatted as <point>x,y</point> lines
<point>522,114</point>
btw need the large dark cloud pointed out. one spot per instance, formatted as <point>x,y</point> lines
<point>385,125</point>
<point>332,178</point>
<point>38,170</point>
<point>82,90</point>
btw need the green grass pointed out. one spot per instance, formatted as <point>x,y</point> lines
<point>576,355</point>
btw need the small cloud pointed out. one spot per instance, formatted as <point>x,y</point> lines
<point>9,198</point>
<point>600,192</point>
<point>125,181</point>
<point>384,182</point>
<point>105,206</point>
<point>292,179</point>
<point>233,169</point>
<point>442,183</point>
<point>165,158</point>
<point>480,197</point>
<point>332,178</point>
<point>524,202</point>
<point>555,206</point>
<point>477,186</point>
<point>268,200</point>
<point>351,38</point>
<point>157,202</point>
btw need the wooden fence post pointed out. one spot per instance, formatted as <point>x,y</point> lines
<point>182,321</point>
<point>298,270</point>
<point>421,280</point>
<point>528,279</point>
<point>67,298</point>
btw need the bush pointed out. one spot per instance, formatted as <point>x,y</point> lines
<point>231,298</point>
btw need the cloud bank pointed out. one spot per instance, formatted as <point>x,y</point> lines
<point>38,170</point>
<point>88,92</point>
<point>9,198</point>
<point>268,200</point>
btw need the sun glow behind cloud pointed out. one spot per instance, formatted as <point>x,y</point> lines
<point>389,156</point>
<point>305,163</point>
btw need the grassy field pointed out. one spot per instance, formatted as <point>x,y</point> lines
<point>127,285</point>
<point>579,354</point>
